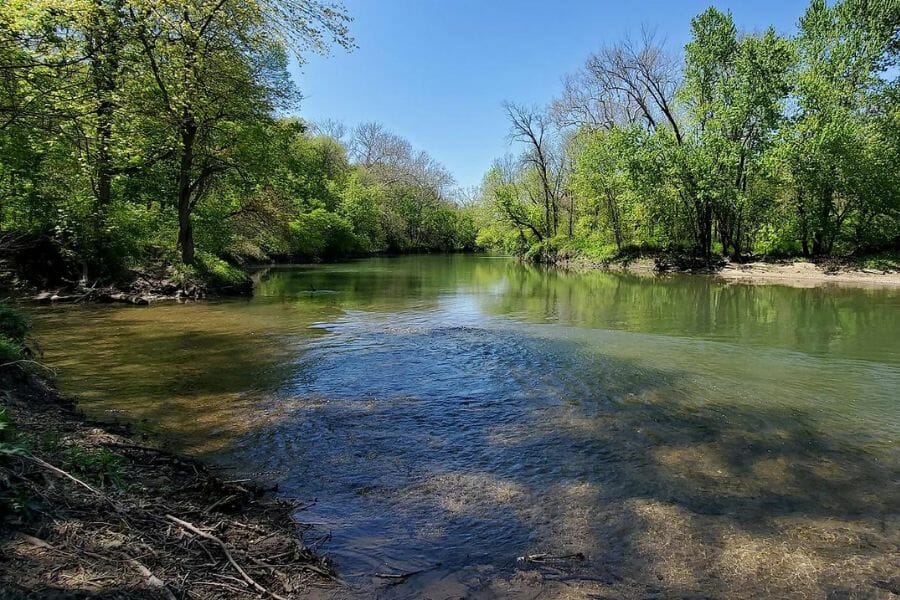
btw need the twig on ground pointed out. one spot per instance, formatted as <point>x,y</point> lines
<point>42,463</point>
<point>152,580</point>
<point>25,361</point>
<point>541,557</point>
<point>224,547</point>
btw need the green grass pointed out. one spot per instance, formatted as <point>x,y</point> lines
<point>213,272</point>
<point>219,273</point>
<point>100,466</point>
<point>13,327</point>
<point>10,350</point>
<point>12,324</point>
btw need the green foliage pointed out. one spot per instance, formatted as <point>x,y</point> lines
<point>147,130</point>
<point>884,261</point>
<point>13,324</point>
<point>213,272</point>
<point>13,328</point>
<point>10,350</point>
<point>322,234</point>
<point>219,273</point>
<point>99,465</point>
<point>754,144</point>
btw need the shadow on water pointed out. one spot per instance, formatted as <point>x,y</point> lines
<point>435,469</point>
<point>193,371</point>
<point>689,438</point>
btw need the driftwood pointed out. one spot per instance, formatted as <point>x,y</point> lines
<point>227,552</point>
<point>44,464</point>
<point>152,580</point>
<point>543,557</point>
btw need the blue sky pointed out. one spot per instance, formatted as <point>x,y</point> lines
<point>437,71</point>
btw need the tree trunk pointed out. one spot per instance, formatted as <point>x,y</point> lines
<point>804,225</point>
<point>823,238</point>
<point>104,45</point>
<point>185,228</point>
<point>704,227</point>
<point>613,211</point>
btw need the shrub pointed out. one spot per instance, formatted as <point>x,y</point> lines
<point>322,234</point>
<point>213,272</point>
<point>101,466</point>
<point>13,325</point>
<point>9,350</point>
<point>219,273</point>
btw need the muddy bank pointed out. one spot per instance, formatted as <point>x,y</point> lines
<point>794,273</point>
<point>37,270</point>
<point>144,287</point>
<point>90,510</point>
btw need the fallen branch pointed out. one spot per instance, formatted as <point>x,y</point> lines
<point>152,580</point>
<point>544,557</point>
<point>208,536</point>
<point>39,543</point>
<point>42,463</point>
<point>25,361</point>
<point>219,503</point>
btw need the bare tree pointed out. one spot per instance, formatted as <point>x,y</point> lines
<point>371,144</point>
<point>331,128</point>
<point>586,104</point>
<point>624,83</point>
<point>543,153</point>
<point>392,159</point>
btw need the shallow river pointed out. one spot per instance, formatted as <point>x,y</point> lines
<point>655,437</point>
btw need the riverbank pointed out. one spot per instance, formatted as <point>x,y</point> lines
<point>89,509</point>
<point>36,268</point>
<point>798,273</point>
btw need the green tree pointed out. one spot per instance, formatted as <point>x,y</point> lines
<point>838,144</point>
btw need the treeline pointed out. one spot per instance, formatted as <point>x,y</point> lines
<point>744,144</point>
<point>137,131</point>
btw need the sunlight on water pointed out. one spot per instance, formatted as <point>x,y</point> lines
<point>667,436</point>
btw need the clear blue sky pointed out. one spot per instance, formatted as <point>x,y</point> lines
<point>437,71</point>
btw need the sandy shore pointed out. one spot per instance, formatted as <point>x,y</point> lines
<point>806,274</point>
<point>799,273</point>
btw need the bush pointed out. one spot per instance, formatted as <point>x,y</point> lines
<point>9,350</point>
<point>323,234</point>
<point>212,272</point>
<point>13,325</point>
<point>219,273</point>
<point>101,466</point>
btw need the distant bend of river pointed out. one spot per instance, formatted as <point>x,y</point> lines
<point>652,436</point>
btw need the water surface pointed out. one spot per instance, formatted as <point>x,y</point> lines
<point>673,436</point>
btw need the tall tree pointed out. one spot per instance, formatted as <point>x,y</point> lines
<point>217,65</point>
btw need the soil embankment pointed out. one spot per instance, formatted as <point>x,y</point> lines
<point>87,510</point>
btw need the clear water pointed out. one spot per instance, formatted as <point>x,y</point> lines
<point>448,415</point>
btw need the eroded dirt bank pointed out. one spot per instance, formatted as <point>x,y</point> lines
<point>88,510</point>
